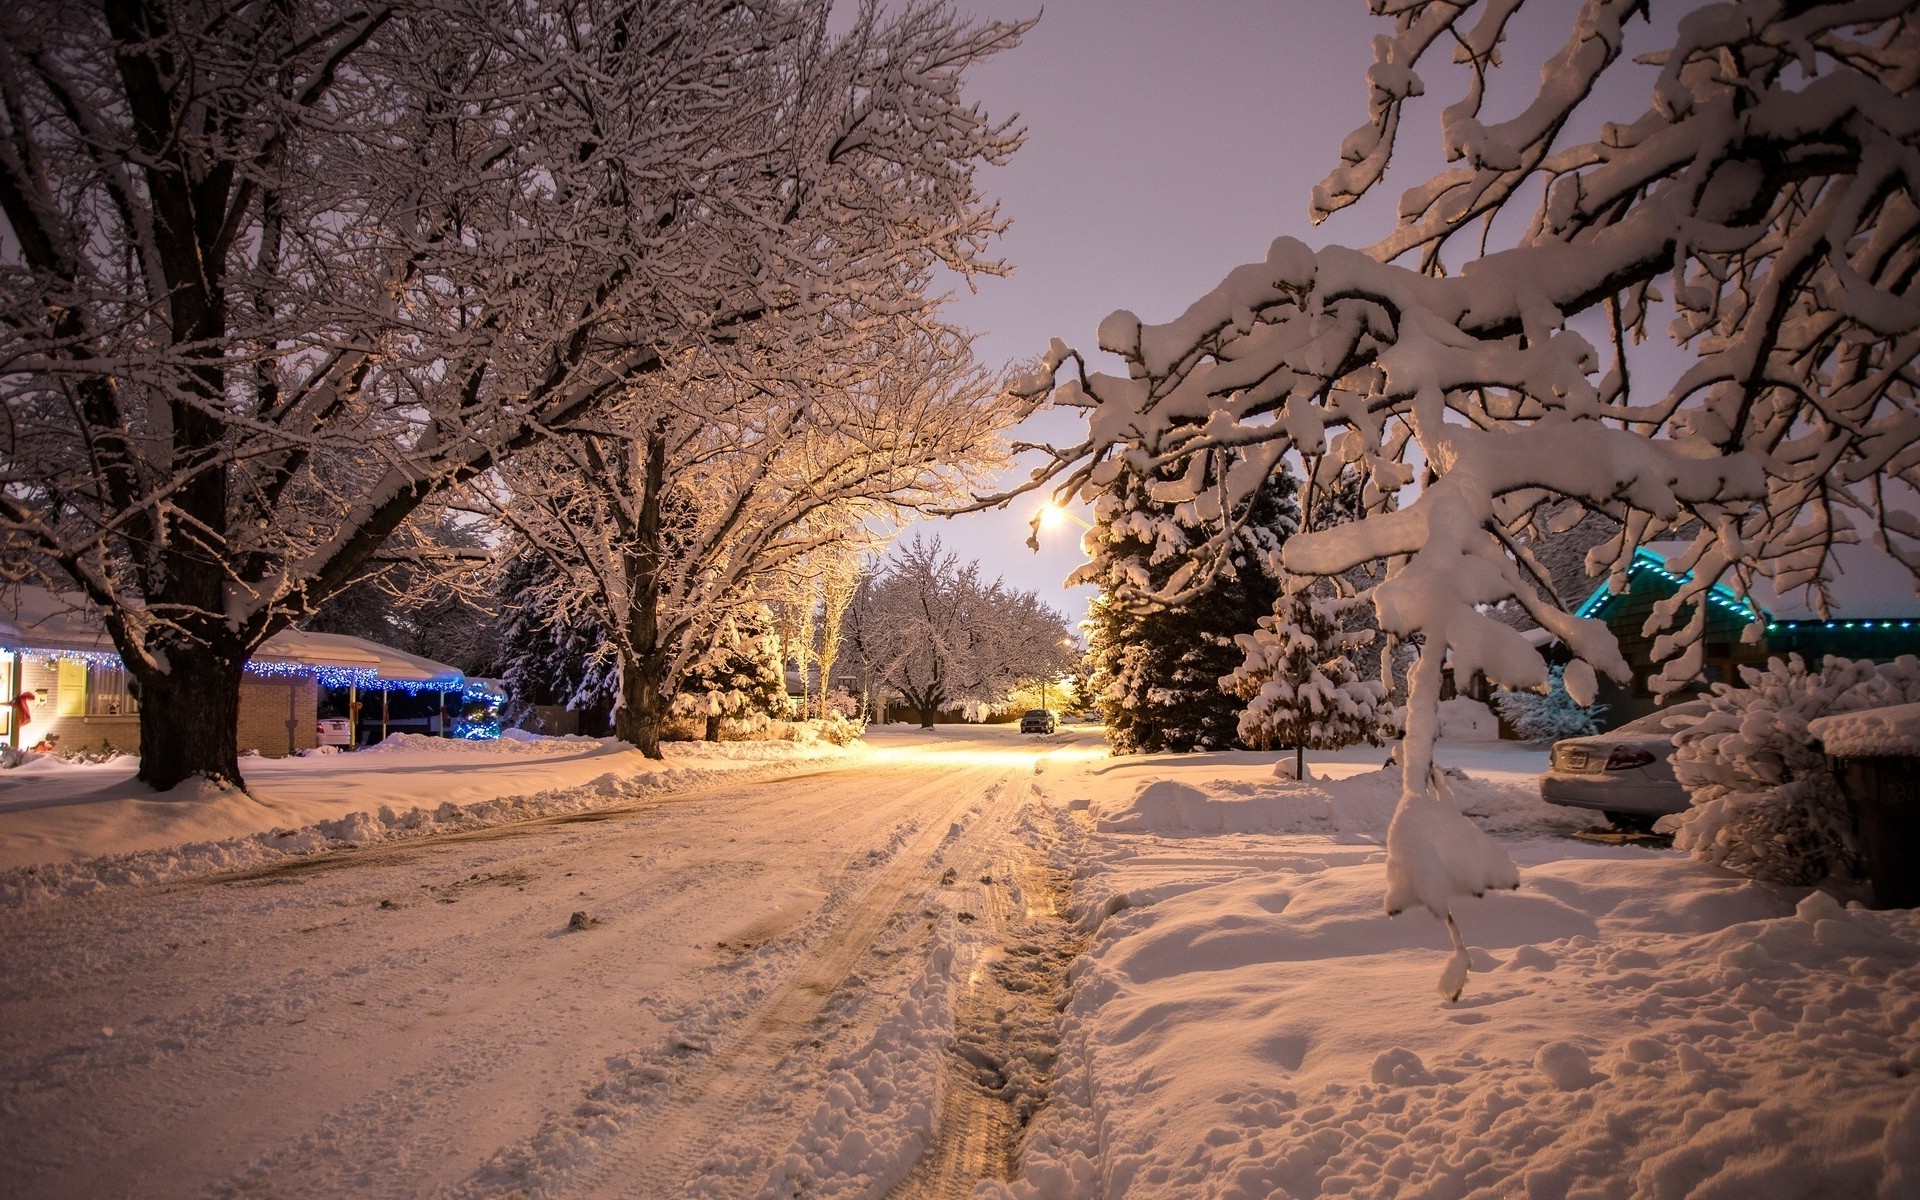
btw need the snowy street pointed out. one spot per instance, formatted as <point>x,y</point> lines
<point>957,963</point>
<point>419,1018</point>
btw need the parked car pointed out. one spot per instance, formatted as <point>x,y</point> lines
<point>1039,720</point>
<point>1626,774</point>
<point>334,731</point>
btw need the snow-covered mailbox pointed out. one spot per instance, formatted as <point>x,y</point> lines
<point>68,689</point>
<point>1875,754</point>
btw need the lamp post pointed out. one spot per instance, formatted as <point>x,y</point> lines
<point>1053,514</point>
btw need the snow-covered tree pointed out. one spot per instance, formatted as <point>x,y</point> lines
<point>424,593</point>
<point>1300,680</point>
<point>547,656</point>
<point>1549,715</point>
<point>737,675</point>
<point>840,573</point>
<point>1157,668</point>
<point>1480,362</point>
<point>1763,801</point>
<point>275,274</point>
<point>934,632</point>
<point>671,508</point>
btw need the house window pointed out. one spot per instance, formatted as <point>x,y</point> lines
<point>107,694</point>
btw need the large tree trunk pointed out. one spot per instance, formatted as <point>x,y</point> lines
<point>713,727</point>
<point>927,704</point>
<point>643,710</point>
<point>190,717</point>
<point>643,667</point>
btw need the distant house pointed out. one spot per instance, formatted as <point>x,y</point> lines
<point>55,653</point>
<point>1875,615</point>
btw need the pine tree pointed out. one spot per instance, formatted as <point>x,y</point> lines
<point>551,658</point>
<point>1156,671</point>
<point>1546,717</point>
<point>1299,674</point>
<point>738,676</point>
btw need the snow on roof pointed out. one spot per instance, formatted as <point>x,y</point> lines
<point>1867,582</point>
<point>39,619</point>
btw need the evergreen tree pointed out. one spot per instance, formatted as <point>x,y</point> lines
<point>547,657</point>
<point>1156,670</point>
<point>1547,717</point>
<point>1300,677</point>
<point>740,674</point>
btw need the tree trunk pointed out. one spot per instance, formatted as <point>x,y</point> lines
<point>927,704</point>
<point>643,710</point>
<point>190,717</point>
<point>643,666</point>
<point>713,727</point>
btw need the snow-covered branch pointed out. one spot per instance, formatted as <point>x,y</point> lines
<point>1763,195</point>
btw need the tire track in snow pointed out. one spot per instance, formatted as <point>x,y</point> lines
<point>1000,1063</point>
<point>664,1156</point>
<point>202,1087</point>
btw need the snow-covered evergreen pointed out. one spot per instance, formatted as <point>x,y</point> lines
<point>1156,668</point>
<point>1763,801</point>
<point>738,675</point>
<point>1299,679</point>
<point>547,656</point>
<point>1548,716</point>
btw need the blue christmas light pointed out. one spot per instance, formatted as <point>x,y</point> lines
<point>365,678</point>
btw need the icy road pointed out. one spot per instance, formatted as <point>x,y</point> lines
<point>840,978</point>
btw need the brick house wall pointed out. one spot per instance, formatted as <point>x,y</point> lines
<point>107,733</point>
<point>277,715</point>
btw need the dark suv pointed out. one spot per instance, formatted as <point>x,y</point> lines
<point>1038,720</point>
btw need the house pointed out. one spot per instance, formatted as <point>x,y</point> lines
<point>56,656</point>
<point>1874,615</point>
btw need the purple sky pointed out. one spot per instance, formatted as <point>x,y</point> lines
<point>1166,144</point>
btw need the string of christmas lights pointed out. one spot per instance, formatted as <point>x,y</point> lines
<point>1645,560</point>
<point>364,678</point>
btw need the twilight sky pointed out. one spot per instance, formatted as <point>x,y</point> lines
<point>1166,144</point>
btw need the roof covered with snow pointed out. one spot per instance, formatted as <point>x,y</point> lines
<point>35,619</point>
<point>1866,583</point>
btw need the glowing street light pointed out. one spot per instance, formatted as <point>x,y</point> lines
<point>1052,514</point>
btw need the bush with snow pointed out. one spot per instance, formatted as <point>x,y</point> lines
<point>840,729</point>
<point>1548,717</point>
<point>1763,800</point>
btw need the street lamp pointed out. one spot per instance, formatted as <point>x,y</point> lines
<point>1052,514</point>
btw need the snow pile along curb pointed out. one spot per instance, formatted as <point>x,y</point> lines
<point>386,823</point>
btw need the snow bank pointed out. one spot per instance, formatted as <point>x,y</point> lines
<point>1250,1024</point>
<point>1870,733</point>
<point>71,829</point>
<point>1359,806</point>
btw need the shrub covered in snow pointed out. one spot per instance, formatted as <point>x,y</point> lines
<point>1764,803</point>
<point>1548,717</point>
<point>840,729</point>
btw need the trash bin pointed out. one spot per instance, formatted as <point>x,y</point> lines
<point>1884,796</point>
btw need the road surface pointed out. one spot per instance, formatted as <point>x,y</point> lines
<point>840,981</point>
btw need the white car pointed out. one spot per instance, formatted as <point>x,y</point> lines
<point>1627,773</point>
